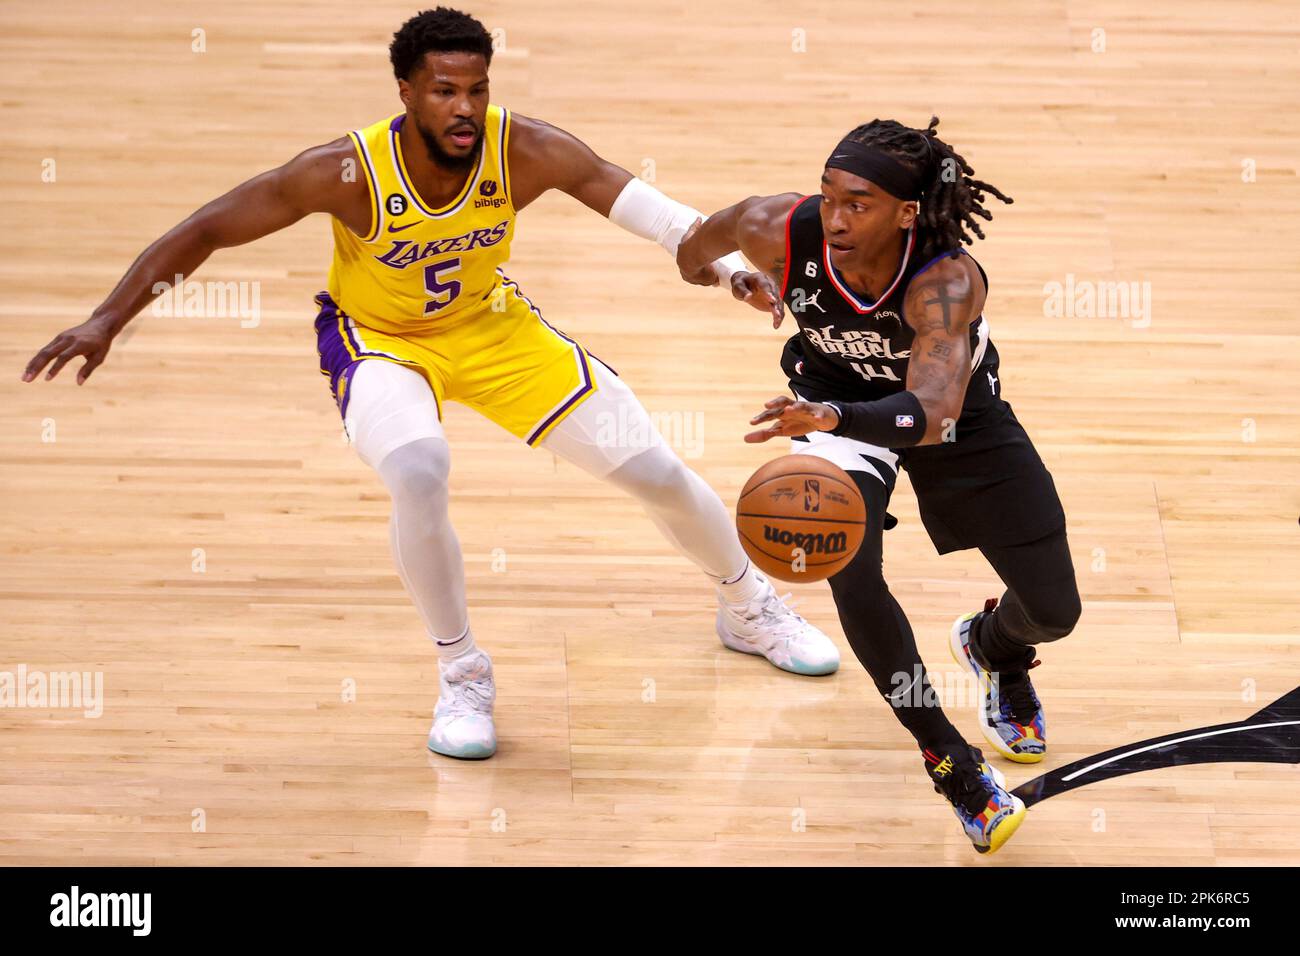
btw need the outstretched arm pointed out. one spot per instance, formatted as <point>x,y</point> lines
<point>310,182</point>
<point>940,306</point>
<point>756,227</point>
<point>545,157</point>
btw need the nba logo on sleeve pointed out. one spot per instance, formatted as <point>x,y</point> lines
<point>904,421</point>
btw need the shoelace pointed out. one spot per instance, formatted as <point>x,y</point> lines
<point>470,695</point>
<point>965,788</point>
<point>1015,688</point>
<point>772,610</point>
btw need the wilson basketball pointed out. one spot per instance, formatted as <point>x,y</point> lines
<point>801,518</point>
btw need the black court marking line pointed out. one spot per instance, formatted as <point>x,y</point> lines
<point>1271,735</point>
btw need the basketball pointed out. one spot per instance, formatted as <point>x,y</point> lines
<point>801,518</point>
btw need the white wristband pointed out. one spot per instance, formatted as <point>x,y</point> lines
<point>728,266</point>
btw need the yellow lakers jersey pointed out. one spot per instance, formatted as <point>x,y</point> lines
<point>420,268</point>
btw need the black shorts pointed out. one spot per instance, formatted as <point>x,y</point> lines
<point>988,488</point>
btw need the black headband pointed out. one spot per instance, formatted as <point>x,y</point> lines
<point>878,167</point>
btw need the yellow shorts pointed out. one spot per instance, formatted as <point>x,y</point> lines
<point>507,363</point>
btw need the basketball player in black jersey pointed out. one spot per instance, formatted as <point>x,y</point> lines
<point>893,365</point>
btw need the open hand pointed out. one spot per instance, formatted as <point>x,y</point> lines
<point>792,418</point>
<point>91,338</point>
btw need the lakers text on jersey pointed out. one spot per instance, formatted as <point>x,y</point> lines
<point>425,288</point>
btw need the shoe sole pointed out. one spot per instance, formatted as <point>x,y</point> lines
<point>1008,827</point>
<point>988,730</point>
<point>733,643</point>
<point>461,756</point>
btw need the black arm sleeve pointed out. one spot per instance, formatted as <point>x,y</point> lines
<point>896,421</point>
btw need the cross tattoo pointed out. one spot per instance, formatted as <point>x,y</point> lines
<point>945,302</point>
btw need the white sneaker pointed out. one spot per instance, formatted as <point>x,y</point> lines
<point>462,720</point>
<point>766,626</point>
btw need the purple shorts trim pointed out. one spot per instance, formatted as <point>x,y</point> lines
<point>586,387</point>
<point>336,361</point>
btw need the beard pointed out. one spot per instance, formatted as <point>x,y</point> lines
<point>444,159</point>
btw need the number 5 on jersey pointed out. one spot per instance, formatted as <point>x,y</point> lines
<point>441,292</point>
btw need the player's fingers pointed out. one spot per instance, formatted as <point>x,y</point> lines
<point>92,363</point>
<point>41,359</point>
<point>61,361</point>
<point>763,434</point>
<point>773,408</point>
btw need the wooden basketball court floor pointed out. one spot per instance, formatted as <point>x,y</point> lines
<point>198,532</point>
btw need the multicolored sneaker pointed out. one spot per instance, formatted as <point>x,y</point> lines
<point>978,793</point>
<point>1011,715</point>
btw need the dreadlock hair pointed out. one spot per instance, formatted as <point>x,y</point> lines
<point>443,30</point>
<point>952,202</point>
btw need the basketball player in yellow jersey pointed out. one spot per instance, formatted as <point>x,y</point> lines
<point>419,312</point>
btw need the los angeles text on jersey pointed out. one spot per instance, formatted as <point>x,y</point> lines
<point>404,251</point>
<point>854,343</point>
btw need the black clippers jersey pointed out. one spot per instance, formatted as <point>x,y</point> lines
<point>848,348</point>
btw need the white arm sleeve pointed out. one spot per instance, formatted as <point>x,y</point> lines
<point>646,212</point>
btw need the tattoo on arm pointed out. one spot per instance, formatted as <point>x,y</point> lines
<point>944,299</point>
<point>939,309</point>
<point>939,350</point>
<point>777,272</point>
<point>935,375</point>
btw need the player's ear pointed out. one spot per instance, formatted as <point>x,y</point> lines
<point>908,213</point>
<point>405,92</point>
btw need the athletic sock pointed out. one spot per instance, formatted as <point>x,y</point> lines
<point>743,588</point>
<point>456,646</point>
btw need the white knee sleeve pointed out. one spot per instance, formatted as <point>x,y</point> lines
<point>389,406</point>
<point>417,472</point>
<point>609,428</point>
<point>657,475</point>
<point>425,547</point>
<point>684,508</point>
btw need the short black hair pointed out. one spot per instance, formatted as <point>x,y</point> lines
<point>443,30</point>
